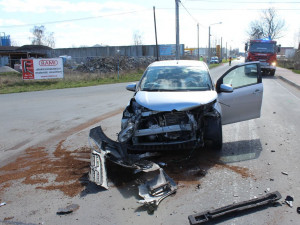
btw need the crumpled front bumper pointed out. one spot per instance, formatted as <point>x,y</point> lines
<point>103,148</point>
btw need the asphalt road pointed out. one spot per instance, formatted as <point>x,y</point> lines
<point>259,156</point>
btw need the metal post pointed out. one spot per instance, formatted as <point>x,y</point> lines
<point>226,51</point>
<point>198,41</point>
<point>118,66</point>
<point>209,52</point>
<point>221,50</point>
<point>177,30</point>
<point>208,57</point>
<point>155,34</point>
<point>118,52</point>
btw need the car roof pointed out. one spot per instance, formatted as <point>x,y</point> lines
<point>178,63</point>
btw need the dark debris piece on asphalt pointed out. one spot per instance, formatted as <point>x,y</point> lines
<point>289,200</point>
<point>67,210</point>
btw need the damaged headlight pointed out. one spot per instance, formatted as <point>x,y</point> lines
<point>126,133</point>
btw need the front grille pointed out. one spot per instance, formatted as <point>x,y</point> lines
<point>263,58</point>
<point>175,118</point>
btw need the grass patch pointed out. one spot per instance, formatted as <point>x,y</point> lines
<point>213,66</point>
<point>10,74</point>
<point>296,71</point>
<point>13,83</point>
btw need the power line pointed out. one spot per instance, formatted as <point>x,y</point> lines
<point>192,16</point>
<point>202,9</point>
<point>71,20</point>
<point>211,1</point>
<point>189,13</point>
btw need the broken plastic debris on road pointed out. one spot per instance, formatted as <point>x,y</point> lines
<point>153,191</point>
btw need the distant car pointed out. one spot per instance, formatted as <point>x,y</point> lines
<point>176,105</point>
<point>214,60</point>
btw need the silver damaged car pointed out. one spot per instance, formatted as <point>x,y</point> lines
<point>177,106</point>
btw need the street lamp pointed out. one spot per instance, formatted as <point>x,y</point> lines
<point>198,40</point>
<point>209,38</point>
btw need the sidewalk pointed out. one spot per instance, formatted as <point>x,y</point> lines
<point>288,76</point>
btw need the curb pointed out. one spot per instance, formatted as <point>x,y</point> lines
<point>289,82</point>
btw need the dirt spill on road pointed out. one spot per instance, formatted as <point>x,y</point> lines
<point>244,172</point>
<point>60,171</point>
<point>63,170</point>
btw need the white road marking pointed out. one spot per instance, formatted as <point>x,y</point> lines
<point>287,90</point>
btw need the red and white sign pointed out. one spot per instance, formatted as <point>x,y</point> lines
<point>37,69</point>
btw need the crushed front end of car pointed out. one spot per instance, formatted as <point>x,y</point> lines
<point>143,129</point>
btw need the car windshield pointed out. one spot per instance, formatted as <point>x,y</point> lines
<point>262,47</point>
<point>176,79</point>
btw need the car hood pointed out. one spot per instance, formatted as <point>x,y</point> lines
<point>180,101</point>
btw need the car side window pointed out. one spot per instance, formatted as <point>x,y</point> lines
<point>242,76</point>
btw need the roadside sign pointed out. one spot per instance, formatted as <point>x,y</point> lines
<point>37,69</point>
<point>169,50</point>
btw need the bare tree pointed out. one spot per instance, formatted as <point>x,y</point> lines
<point>41,37</point>
<point>269,25</point>
<point>14,42</point>
<point>137,37</point>
<point>297,38</point>
<point>49,40</point>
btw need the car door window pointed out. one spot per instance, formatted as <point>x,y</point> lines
<point>242,76</point>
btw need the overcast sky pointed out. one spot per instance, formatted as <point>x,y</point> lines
<point>86,23</point>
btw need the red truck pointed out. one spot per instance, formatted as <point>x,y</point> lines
<point>264,51</point>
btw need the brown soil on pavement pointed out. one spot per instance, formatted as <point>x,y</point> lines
<point>36,165</point>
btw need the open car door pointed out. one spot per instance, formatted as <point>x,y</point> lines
<point>240,92</point>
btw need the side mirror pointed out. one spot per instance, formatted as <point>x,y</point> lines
<point>226,88</point>
<point>278,48</point>
<point>131,87</point>
<point>246,47</point>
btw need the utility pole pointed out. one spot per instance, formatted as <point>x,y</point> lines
<point>177,29</point>
<point>198,41</point>
<point>209,39</point>
<point>226,51</point>
<point>155,34</point>
<point>221,54</point>
<point>208,54</point>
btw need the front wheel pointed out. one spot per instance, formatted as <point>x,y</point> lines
<point>213,132</point>
<point>217,141</point>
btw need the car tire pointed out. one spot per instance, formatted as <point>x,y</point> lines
<point>272,72</point>
<point>217,142</point>
<point>213,133</point>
